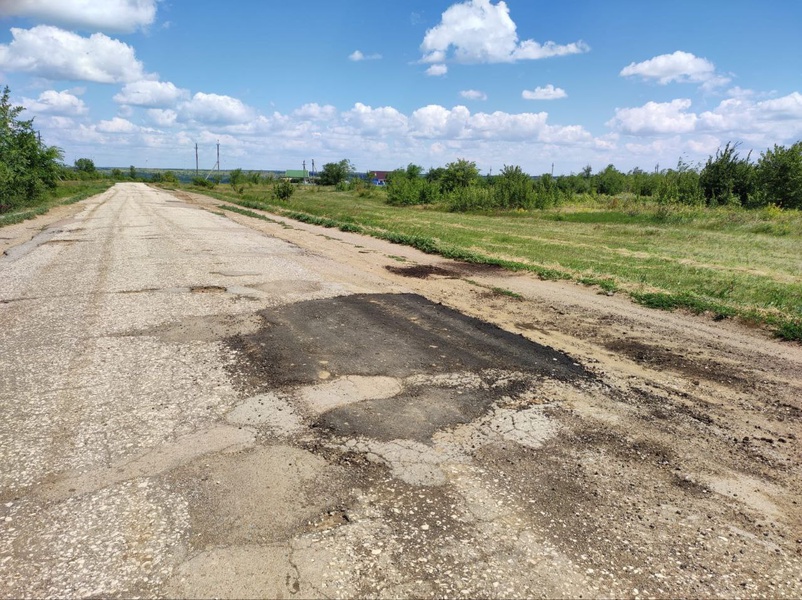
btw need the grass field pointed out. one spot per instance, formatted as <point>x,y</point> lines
<point>725,262</point>
<point>67,192</point>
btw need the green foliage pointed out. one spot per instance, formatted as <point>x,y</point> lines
<point>727,178</point>
<point>283,190</point>
<point>334,173</point>
<point>28,169</point>
<point>459,174</point>
<point>779,176</point>
<point>85,165</point>
<point>132,172</point>
<point>610,181</point>
<point>407,187</point>
<point>203,183</point>
<point>117,174</point>
<point>680,186</point>
<point>513,188</point>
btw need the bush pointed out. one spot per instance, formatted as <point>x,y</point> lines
<point>513,189</point>
<point>204,183</point>
<point>779,176</point>
<point>727,178</point>
<point>283,190</point>
<point>28,169</point>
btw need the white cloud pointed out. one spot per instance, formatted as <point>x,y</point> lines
<point>482,32</point>
<point>163,117</point>
<point>150,94</point>
<point>548,92</point>
<point>655,118</point>
<point>315,112</point>
<point>437,70</point>
<point>357,56</point>
<point>787,107</point>
<point>122,16</point>
<point>680,67</point>
<point>370,121</point>
<point>473,95</point>
<point>52,102</point>
<point>117,125</point>
<point>216,109</point>
<point>55,54</point>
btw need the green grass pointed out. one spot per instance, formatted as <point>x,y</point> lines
<point>68,192</point>
<point>728,263</point>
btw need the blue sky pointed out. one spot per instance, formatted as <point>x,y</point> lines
<point>386,83</point>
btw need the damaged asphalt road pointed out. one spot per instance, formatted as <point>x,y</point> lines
<point>193,407</point>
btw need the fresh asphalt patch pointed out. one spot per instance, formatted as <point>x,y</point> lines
<point>401,336</point>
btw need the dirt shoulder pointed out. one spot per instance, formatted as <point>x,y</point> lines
<point>19,233</point>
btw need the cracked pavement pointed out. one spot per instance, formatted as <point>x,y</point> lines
<point>201,405</point>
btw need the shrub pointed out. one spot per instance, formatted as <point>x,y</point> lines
<point>779,176</point>
<point>283,190</point>
<point>727,178</point>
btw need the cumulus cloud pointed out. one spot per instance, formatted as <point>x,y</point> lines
<point>370,121</point>
<point>357,56</point>
<point>52,102</point>
<point>151,94</point>
<point>473,95</point>
<point>53,53</point>
<point>216,109</point>
<point>655,118</point>
<point>123,16</point>
<point>437,70</point>
<point>117,125</point>
<point>162,117</point>
<point>315,112</point>
<point>482,32</point>
<point>680,67</point>
<point>548,92</point>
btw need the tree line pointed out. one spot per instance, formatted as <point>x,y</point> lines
<point>727,178</point>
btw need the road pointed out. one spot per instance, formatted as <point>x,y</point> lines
<point>198,403</point>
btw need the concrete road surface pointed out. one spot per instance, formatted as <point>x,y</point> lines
<point>193,407</point>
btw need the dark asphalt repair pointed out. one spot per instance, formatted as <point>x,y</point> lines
<point>394,335</point>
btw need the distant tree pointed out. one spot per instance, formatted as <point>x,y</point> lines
<point>28,168</point>
<point>283,189</point>
<point>85,165</point>
<point>459,174</point>
<point>117,174</point>
<point>610,181</point>
<point>727,178</point>
<point>779,176</point>
<point>512,188</point>
<point>334,173</point>
<point>132,172</point>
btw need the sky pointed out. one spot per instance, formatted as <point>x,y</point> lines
<point>548,86</point>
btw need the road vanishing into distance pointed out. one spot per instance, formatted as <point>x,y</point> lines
<point>199,403</point>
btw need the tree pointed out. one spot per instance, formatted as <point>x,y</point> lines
<point>513,188</point>
<point>132,172</point>
<point>611,181</point>
<point>85,165</point>
<point>727,178</point>
<point>459,174</point>
<point>334,173</point>
<point>779,176</point>
<point>28,169</point>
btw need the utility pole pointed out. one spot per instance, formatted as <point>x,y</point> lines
<point>196,159</point>
<point>552,169</point>
<point>313,167</point>
<point>218,157</point>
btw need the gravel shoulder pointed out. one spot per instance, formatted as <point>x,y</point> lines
<point>204,404</point>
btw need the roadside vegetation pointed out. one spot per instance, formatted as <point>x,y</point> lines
<point>32,178</point>
<point>723,238</point>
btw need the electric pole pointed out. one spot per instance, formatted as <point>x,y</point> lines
<point>196,159</point>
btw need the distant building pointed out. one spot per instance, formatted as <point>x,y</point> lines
<point>296,174</point>
<point>379,177</point>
